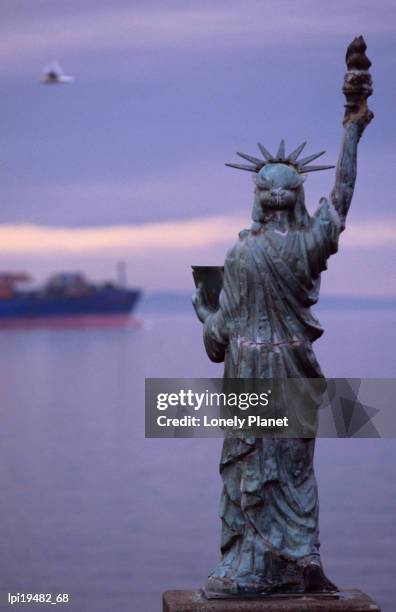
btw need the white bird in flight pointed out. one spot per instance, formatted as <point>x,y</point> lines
<point>53,75</point>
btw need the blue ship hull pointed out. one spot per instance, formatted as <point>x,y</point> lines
<point>35,304</point>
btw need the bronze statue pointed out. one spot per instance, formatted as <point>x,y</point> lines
<point>263,328</point>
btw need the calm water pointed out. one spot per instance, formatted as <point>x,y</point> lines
<point>91,508</point>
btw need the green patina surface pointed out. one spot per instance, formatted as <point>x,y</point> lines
<point>263,327</point>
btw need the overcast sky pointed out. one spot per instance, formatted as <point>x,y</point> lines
<point>164,94</point>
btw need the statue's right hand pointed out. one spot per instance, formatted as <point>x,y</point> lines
<point>202,311</point>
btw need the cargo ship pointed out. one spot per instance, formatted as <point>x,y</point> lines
<point>66,299</point>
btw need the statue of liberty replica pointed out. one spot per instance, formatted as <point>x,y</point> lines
<point>263,328</point>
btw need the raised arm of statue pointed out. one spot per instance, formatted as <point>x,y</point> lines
<point>357,88</point>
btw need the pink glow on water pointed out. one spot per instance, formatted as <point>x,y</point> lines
<point>73,322</point>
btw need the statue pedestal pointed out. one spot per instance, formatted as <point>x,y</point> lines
<point>350,600</point>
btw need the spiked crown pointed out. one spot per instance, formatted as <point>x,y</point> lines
<point>300,165</point>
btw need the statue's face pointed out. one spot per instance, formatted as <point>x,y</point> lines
<point>277,187</point>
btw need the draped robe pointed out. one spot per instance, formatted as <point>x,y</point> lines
<point>264,329</point>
